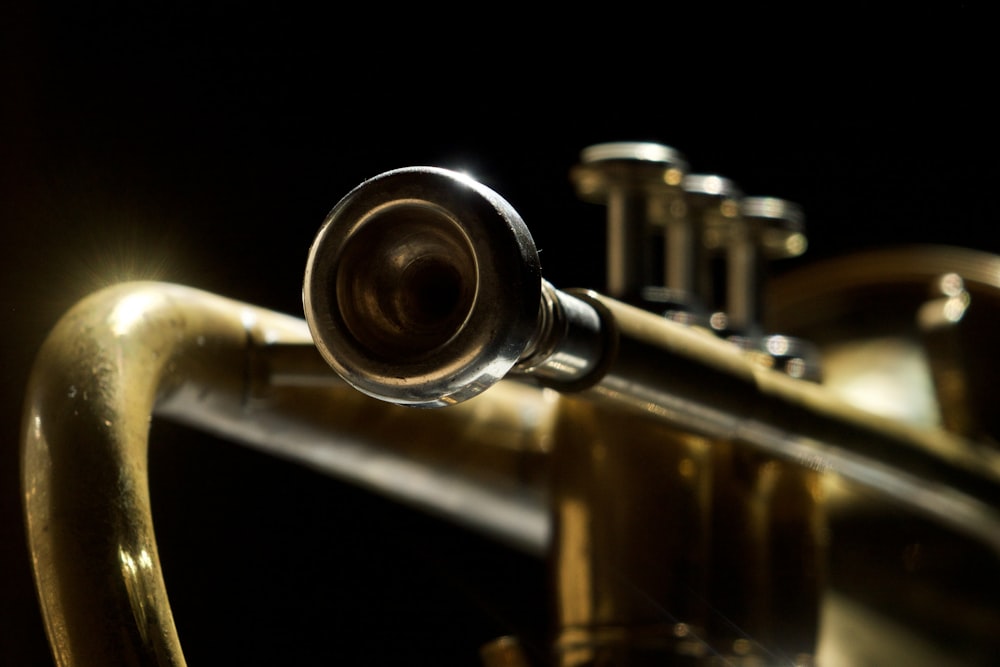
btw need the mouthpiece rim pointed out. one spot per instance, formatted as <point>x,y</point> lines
<point>359,277</point>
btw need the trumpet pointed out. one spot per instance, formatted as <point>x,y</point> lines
<point>710,464</point>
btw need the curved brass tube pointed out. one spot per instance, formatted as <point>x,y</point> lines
<point>252,375</point>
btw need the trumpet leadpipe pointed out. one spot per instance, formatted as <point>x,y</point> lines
<point>424,288</point>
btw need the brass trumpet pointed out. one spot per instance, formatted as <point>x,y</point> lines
<point>706,491</point>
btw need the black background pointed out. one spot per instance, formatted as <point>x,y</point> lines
<point>204,145</point>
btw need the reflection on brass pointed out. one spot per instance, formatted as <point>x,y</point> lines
<point>503,652</point>
<point>251,375</point>
<point>630,548</point>
<point>696,506</point>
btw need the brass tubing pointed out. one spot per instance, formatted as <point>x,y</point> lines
<point>639,361</point>
<point>704,385</point>
<point>135,350</point>
<point>631,544</point>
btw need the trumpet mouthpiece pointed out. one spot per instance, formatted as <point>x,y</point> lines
<point>422,287</point>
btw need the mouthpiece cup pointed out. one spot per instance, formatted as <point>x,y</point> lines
<point>422,287</point>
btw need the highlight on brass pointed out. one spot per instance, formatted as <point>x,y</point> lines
<point>707,457</point>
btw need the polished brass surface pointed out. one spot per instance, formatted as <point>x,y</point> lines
<point>503,652</point>
<point>889,306</point>
<point>248,374</point>
<point>695,505</point>
<point>872,314</point>
<point>780,445</point>
<point>630,553</point>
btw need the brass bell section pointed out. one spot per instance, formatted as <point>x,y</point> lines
<point>905,333</point>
